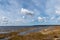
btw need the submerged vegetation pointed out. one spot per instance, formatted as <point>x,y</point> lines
<point>51,33</point>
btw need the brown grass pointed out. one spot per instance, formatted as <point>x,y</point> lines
<point>54,33</point>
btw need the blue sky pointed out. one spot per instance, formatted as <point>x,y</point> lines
<point>29,12</point>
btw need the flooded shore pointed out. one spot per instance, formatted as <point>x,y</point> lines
<point>14,33</point>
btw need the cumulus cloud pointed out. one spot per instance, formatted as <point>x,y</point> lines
<point>27,12</point>
<point>51,19</point>
<point>40,19</point>
<point>44,19</point>
<point>57,10</point>
<point>3,20</point>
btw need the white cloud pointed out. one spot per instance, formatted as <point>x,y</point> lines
<point>57,10</point>
<point>40,19</point>
<point>27,12</point>
<point>23,17</point>
<point>5,20</point>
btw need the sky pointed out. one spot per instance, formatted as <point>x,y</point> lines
<point>29,12</point>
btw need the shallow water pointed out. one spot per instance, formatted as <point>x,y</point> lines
<point>8,29</point>
<point>34,30</point>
